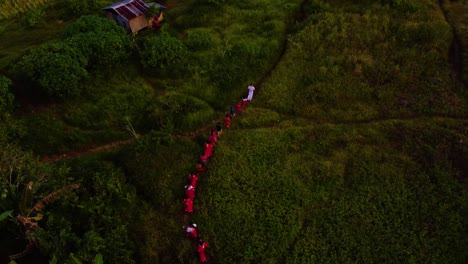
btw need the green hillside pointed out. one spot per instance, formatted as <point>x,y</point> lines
<point>353,149</point>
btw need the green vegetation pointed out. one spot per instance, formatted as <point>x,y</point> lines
<point>352,150</point>
<point>11,8</point>
<point>457,15</point>
<point>58,69</point>
<point>6,97</point>
<point>160,51</point>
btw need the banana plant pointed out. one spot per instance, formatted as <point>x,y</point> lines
<point>29,221</point>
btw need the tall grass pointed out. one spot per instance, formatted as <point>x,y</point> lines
<point>347,66</point>
<point>335,193</point>
<point>9,8</point>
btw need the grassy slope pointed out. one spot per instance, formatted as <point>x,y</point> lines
<point>356,174</point>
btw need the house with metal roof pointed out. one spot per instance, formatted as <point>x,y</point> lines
<point>130,14</point>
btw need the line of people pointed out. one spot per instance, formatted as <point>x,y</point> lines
<point>201,166</point>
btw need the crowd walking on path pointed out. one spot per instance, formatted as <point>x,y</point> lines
<point>191,230</point>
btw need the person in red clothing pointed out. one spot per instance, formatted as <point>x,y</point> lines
<point>190,191</point>
<point>202,245</point>
<point>227,121</point>
<point>199,167</point>
<point>156,22</point>
<point>188,205</point>
<point>245,102</point>
<point>213,138</point>
<point>239,107</point>
<point>192,177</point>
<point>203,159</point>
<point>191,231</point>
<point>208,149</point>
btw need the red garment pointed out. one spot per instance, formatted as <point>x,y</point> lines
<point>227,121</point>
<point>213,138</point>
<point>239,107</point>
<point>190,192</point>
<point>208,149</point>
<point>191,232</point>
<point>188,205</point>
<point>155,22</point>
<point>203,158</point>
<point>199,167</point>
<point>201,251</point>
<point>193,179</point>
<point>245,103</point>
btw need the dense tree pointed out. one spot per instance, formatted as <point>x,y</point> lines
<point>56,68</point>
<point>100,40</point>
<point>92,24</point>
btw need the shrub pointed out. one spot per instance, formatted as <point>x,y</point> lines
<point>79,7</point>
<point>100,40</point>
<point>56,68</point>
<point>91,23</point>
<point>181,111</point>
<point>32,17</point>
<point>161,51</point>
<point>6,97</point>
<point>102,49</point>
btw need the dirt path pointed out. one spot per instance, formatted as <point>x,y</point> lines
<point>78,153</point>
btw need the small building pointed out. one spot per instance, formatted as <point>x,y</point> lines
<point>130,14</point>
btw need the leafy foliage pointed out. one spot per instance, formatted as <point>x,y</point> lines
<point>161,51</point>
<point>58,69</point>
<point>82,7</point>
<point>14,7</point>
<point>33,17</point>
<point>90,213</point>
<point>6,97</point>
<point>101,41</point>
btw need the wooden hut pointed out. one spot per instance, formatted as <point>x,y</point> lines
<point>130,14</point>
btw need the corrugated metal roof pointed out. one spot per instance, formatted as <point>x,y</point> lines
<point>129,8</point>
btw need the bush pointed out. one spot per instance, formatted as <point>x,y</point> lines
<point>92,24</point>
<point>94,219</point>
<point>80,7</point>
<point>181,111</point>
<point>58,69</point>
<point>102,49</point>
<point>6,97</point>
<point>162,51</point>
<point>101,41</point>
<point>32,17</point>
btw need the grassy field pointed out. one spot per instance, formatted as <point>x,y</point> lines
<point>352,150</point>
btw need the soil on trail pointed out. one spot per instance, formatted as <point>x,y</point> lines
<point>78,153</point>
